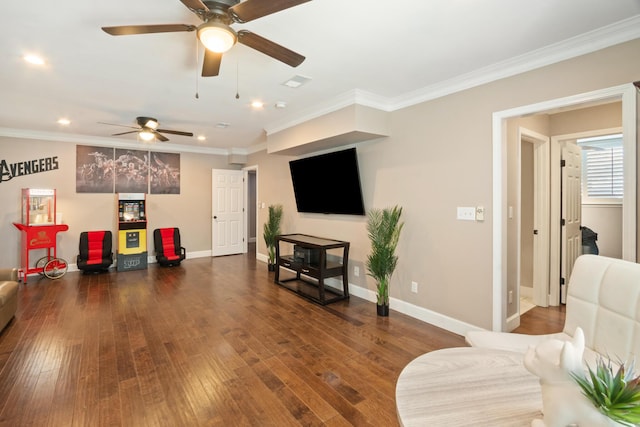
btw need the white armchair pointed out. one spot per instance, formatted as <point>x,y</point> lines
<point>603,298</point>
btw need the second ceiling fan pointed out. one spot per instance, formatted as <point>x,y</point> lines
<point>148,129</point>
<point>216,33</point>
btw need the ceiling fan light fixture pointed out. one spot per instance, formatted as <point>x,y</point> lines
<point>34,59</point>
<point>152,124</point>
<point>217,37</point>
<point>146,135</point>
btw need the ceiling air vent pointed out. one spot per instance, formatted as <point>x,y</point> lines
<point>297,81</point>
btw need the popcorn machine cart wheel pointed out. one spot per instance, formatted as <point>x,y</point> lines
<point>41,237</point>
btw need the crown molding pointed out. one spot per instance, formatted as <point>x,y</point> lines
<point>601,38</point>
<point>114,142</point>
<point>611,35</point>
<point>620,32</point>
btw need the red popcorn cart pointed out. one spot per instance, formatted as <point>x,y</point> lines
<point>39,231</point>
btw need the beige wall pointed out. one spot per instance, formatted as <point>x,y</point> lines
<point>605,116</point>
<point>438,157</point>
<point>190,210</point>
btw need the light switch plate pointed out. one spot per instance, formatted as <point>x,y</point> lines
<point>466,214</point>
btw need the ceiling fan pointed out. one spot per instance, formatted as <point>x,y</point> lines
<point>148,129</point>
<point>216,34</point>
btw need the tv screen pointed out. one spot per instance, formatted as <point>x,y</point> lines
<point>328,183</point>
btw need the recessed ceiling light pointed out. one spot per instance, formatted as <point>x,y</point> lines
<point>257,104</point>
<point>202,138</point>
<point>64,122</point>
<point>34,59</point>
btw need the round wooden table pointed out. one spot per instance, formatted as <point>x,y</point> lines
<point>467,387</point>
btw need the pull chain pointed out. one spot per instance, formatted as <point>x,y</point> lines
<point>237,79</point>
<point>196,68</point>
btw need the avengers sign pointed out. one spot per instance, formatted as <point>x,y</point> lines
<point>9,171</point>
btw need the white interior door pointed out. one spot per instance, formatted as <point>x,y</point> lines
<point>227,212</point>
<point>571,212</point>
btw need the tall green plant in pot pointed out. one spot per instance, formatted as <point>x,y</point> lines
<point>383,227</point>
<point>271,231</point>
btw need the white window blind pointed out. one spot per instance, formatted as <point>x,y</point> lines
<point>602,169</point>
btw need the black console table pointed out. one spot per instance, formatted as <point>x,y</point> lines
<point>311,265</point>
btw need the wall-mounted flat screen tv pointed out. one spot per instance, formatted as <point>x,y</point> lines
<point>328,183</point>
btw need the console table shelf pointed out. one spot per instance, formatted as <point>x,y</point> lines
<point>307,274</point>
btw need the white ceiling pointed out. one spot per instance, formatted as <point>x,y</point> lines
<point>386,54</point>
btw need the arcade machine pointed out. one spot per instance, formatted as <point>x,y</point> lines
<point>132,232</point>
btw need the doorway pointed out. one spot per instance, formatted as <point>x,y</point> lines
<point>251,208</point>
<point>533,220</point>
<point>505,318</point>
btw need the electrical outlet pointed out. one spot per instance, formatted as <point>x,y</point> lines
<point>414,287</point>
<point>510,297</point>
<point>356,271</point>
<point>480,213</point>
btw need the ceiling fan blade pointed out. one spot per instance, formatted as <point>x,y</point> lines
<point>125,30</point>
<point>270,48</point>
<point>125,133</point>
<point>211,63</point>
<point>159,136</point>
<point>174,132</point>
<point>114,124</point>
<point>195,5</point>
<point>253,9</point>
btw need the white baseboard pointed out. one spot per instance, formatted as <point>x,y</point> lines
<point>526,292</point>
<point>513,322</point>
<point>151,259</point>
<point>199,254</point>
<point>428,316</point>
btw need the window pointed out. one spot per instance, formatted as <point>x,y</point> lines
<point>602,169</point>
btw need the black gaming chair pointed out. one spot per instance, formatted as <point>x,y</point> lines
<point>95,251</point>
<point>166,242</point>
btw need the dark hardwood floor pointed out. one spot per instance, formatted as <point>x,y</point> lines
<point>211,342</point>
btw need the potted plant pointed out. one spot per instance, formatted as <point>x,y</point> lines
<point>271,231</point>
<point>383,227</point>
<point>615,393</point>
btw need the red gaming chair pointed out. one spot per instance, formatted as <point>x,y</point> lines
<point>95,251</point>
<point>166,242</point>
